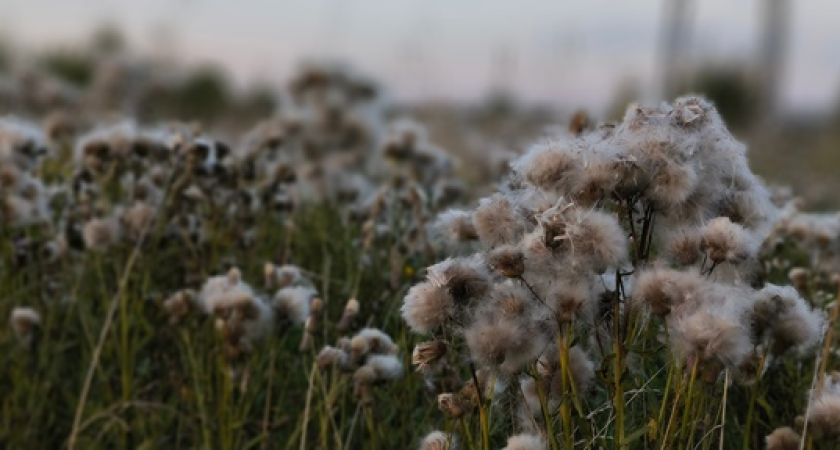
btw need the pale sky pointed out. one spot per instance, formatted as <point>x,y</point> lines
<point>571,53</point>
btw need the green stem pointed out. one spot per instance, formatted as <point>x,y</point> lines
<point>549,428</point>
<point>568,388</point>
<point>618,369</point>
<point>751,408</point>
<point>671,374</point>
<point>688,401</point>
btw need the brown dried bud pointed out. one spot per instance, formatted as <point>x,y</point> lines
<point>427,353</point>
<point>451,405</point>
<point>799,277</point>
<point>351,310</point>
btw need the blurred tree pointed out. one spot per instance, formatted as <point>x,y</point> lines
<point>731,87</point>
<point>204,94</point>
<point>628,92</point>
<point>5,55</point>
<point>771,58</point>
<point>674,43</point>
<point>72,66</point>
<point>108,40</point>
<point>259,101</point>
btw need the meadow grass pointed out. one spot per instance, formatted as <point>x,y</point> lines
<point>158,385</point>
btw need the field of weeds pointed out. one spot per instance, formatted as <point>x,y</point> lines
<point>328,275</point>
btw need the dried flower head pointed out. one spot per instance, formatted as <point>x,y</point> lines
<point>711,341</point>
<point>598,241</point>
<point>572,301</point>
<point>824,417</point>
<point>428,354</point>
<point>550,165</point>
<point>662,290</point>
<point>496,222</point>
<point>99,234</point>
<point>799,277</point>
<point>351,310</point>
<point>526,442</point>
<point>684,247</point>
<point>507,260</point>
<point>178,305</point>
<point>427,306</point>
<point>453,405</point>
<point>457,226</point>
<point>438,440</point>
<point>294,303</point>
<point>371,341</point>
<point>24,322</point>
<point>332,357</point>
<point>782,319</point>
<point>784,438</point>
<point>724,241</point>
<point>507,345</point>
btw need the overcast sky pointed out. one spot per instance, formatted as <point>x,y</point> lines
<point>574,52</point>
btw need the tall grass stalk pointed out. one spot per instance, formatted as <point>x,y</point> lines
<point>103,335</point>
<point>751,408</point>
<point>306,408</point>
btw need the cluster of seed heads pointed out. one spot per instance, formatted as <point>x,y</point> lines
<point>371,356</point>
<point>114,183</point>
<point>659,216</point>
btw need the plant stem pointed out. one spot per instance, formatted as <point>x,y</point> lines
<point>307,406</point>
<point>686,419</point>
<point>618,370</point>
<point>723,409</point>
<point>567,385</point>
<point>97,352</point>
<point>482,414</point>
<point>549,428</point>
<point>751,408</point>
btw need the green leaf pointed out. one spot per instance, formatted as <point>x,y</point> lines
<point>634,436</point>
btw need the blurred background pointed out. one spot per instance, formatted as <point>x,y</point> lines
<point>478,73</point>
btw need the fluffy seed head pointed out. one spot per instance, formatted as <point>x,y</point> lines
<point>781,318</point>
<point>665,289</point>
<point>550,165</point>
<point>438,440</point>
<point>507,260</point>
<point>526,442</point>
<point>294,303</point>
<point>178,305</point>
<point>332,357</point>
<point>783,439</point>
<point>598,239</point>
<point>351,310</point>
<point>724,241</point>
<point>427,306</point>
<point>457,226</point>
<point>385,367</point>
<point>571,302</point>
<point>824,418</point>
<point>99,234</point>
<point>684,247</point>
<point>713,342</point>
<point>496,222</point>
<point>671,183</point>
<point>504,344</point>
<point>799,277</point>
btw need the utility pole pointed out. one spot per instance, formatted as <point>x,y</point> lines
<point>676,30</point>
<point>772,50</point>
